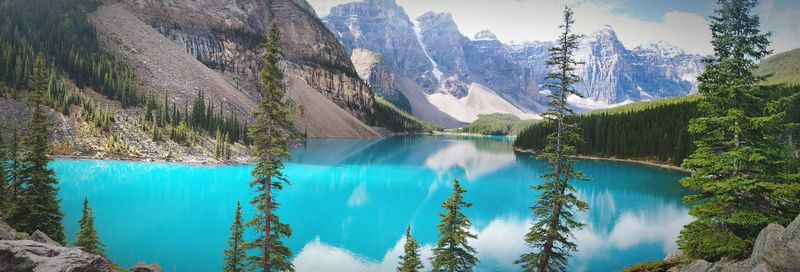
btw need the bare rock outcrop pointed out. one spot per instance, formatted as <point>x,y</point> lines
<point>143,267</point>
<point>40,237</point>
<point>27,255</point>
<point>227,36</point>
<point>776,249</point>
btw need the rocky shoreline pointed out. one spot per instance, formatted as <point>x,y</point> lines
<point>38,253</point>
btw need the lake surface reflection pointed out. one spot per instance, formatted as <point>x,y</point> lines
<point>350,201</point>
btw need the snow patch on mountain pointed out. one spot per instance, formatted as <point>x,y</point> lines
<point>436,72</point>
<point>480,100</point>
<point>582,104</point>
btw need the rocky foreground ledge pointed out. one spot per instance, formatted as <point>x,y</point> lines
<point>20,252</point>
<point>776,249</point>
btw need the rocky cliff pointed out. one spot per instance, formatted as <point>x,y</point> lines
<point>384,28</point>
<point>225,38</point>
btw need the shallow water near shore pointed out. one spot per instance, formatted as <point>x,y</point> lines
<point>350,200</point>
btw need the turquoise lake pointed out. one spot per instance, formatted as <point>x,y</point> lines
<point>350,201</point>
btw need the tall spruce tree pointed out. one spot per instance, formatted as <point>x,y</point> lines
<point>88,240</point>
<point>270,148</point>
<point>37,206</point>
<point>553,212</point>
<point>236,255</point>
<point>453,252</point>
<point>14,167</point>
<point>741,167</point>
<point>5,193</point>
<point>410,261</point>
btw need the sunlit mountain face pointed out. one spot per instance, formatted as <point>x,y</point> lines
<point>350,200</point>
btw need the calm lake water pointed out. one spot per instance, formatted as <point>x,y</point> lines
<point>350,201</point>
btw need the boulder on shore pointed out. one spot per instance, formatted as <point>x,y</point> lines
<point>143,267</point>
<point>776,249</point>
<point>27,255</point>
<point>40,237</point>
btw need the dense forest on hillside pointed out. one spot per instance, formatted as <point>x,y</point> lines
<point>784,67</point>
<point>397,120</point>
<point>496,124</point>
<point>653,131</point>
<point>59,33</point>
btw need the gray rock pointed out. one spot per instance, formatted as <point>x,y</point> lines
<point>143,267</point>
<point>696,266</point>
<point>775,249</point>
<point>673,255</point>
<point>27,255</point>
<point>40,237</point>
<point>6,232</point>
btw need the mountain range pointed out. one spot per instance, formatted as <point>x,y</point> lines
<point>430,69</point>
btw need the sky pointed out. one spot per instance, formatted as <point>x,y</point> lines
<point>683,23</point>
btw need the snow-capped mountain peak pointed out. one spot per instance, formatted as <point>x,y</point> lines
<point>433,69</point>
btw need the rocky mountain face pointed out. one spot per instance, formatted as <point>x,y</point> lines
<point>426,68</point>
<point>445,64</point>
<point>227,36</point>
<point>384,28</point>
<point>611,73</point>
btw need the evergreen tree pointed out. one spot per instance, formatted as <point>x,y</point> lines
<point>551,232</point>
<point>741,167</point>
<point>37,206</point>
<point>88,240</point>
<point>14,167</point>
<point>452,252</point>
<point>5,194</point>
<point>218,145</point>
<point>270,148</point>
<point>410,260</point>
<point>236,255</point>
<point>165,111</point>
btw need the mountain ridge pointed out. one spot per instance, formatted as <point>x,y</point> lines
<point>515,72</point>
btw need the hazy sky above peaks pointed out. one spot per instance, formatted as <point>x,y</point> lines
<point>683,23</point>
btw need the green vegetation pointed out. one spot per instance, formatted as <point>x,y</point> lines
<point>270,148</point>
<point>410,260</point>
<point>651,131</point>
<point>35,204</point>
<point>87,235</point>
<point>551,232</point>
<point>394,119</point>
<point>5,193</point>
<point>60,33</point>
<point>452,252</point>
<point>496,124</point>
<point>784,68</point>
<point>221,148</point>
<point>654,266</point>
<point>236,255</point>
<point>742,172</point>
